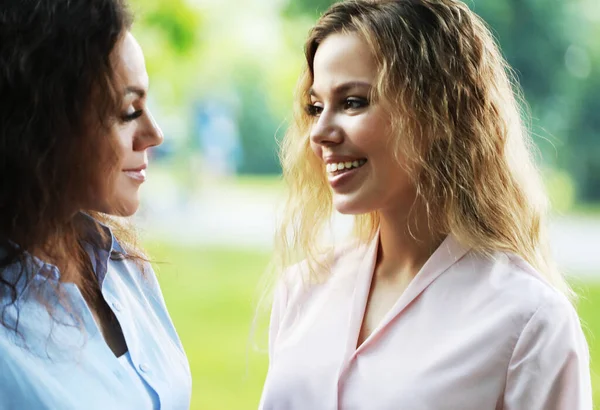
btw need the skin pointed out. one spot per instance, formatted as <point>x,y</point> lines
<point>349,127</point>
<point>135,131</point>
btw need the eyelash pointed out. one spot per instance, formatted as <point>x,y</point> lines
<point>133,116</point>
<point>360,102</point>
<point>314,110</point>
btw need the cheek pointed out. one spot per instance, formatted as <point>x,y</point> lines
<point>371,134</point>
<point>316,149</point>
<point>123,136</point>
<point>114,157</point>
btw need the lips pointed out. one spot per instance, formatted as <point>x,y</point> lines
<point>139,173</point>
<point>342,170</point>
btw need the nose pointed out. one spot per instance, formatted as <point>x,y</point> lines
<point>325,131</point>
<point>150,135</point>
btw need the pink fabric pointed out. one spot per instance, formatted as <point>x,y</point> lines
<point>470,333</point>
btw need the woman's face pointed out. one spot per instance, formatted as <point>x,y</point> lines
<point>134,130</point>
<point>351,134</point>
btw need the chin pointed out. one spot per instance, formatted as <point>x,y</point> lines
<point>128,209</point>
<point>125,213</point>
<point>124,207</point>
<point>120,203</point>
<point>348,206</point>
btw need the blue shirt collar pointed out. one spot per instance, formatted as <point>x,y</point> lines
<point>100,248</point>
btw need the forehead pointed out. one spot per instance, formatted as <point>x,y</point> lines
<point>342,58</point>
<point>130,67</point>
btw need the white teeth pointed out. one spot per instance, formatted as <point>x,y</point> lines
<point>344,165</point>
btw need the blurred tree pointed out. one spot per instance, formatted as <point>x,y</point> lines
<point>545,42</point>
<point>584,142</point>
<point>306,7</point>
<point>177,21</point>
<point>170,32</point>
<point>257,124</point>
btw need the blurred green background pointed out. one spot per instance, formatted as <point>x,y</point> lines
<point>222,77</point>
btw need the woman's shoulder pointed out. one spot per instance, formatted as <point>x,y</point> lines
<point>314,275</point>
<point>509,280</point>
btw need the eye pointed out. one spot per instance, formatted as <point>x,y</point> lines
<point>313,110</point>
<point>355,103</point>
<point>130,116</point>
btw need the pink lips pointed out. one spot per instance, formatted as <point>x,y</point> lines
<point>337,181</point>
<point>139,173</point>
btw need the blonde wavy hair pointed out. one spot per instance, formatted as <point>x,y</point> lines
<point>455,102</point>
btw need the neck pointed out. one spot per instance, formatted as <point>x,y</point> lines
<point>62,248</point>
<point>406,242</point>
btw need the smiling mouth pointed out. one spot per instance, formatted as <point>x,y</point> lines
<point>139,175</point>
<point>343,167</point>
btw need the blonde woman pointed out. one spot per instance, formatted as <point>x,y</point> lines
<point>447,298</point>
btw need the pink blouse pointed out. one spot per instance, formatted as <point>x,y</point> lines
<point>471,332</point>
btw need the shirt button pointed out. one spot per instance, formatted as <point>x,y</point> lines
<point>117,306</point>
<point>144,368</point>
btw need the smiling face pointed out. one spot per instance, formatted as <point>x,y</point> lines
<point>135,131</point>
<point>351,133</point>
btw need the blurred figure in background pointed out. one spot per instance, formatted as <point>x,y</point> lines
<point>447,298</point>
<point>218,139</point>
<point>83,323</point>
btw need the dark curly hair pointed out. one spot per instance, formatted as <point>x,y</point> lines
<point>57,104</point>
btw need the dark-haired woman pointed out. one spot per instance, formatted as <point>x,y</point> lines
<point>83,324</point>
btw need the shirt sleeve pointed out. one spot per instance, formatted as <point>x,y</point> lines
<point>277,312</point>
<point>549,368</point>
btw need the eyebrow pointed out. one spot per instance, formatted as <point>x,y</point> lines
<point>343,88</point>
<point>140,92</point>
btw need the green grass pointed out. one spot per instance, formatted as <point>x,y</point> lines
<point>211,297</point>
<point>211,294</point>
<point>589,312</point>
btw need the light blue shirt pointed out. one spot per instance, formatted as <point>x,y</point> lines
<point>55,364</point>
